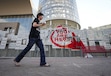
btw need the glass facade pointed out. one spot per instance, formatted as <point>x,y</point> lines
<point>59,9</point>
<point>25,22</point>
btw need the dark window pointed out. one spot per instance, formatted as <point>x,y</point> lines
<point>24,41</point>
<point>5,29</point>
<point>8,28</point>
<point>97,43</point>
<point>0,42</point>
<point>110,42</point>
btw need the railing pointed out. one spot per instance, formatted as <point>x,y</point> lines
<point>95,49</point>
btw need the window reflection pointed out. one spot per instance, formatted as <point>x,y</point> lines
<point>25,21</point>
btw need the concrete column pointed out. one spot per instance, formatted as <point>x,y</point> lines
<point>77,26</point>
<point>66,23</point>
<point>50,22</point>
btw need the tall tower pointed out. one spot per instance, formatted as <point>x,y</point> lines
<point>60,12</point>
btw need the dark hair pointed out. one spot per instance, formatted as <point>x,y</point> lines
<point>40,14</point>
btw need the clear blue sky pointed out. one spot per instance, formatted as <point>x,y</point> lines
<point>92,13</point>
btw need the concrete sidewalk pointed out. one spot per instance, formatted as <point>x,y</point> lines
<point>66,66</point>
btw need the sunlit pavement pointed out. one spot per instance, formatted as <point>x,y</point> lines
<point>60,66</point>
